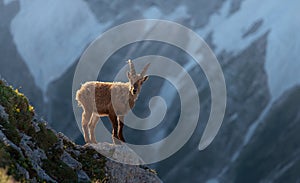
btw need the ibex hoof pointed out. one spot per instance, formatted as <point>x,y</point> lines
<point>117,141</point>
<point>94,142</point>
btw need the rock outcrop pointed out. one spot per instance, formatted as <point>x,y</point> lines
<point>30,151</point>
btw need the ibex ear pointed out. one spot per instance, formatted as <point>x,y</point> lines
<point>128,75</point>
<point>145,78</point>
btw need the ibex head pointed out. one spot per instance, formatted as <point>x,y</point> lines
<point>136,80</point>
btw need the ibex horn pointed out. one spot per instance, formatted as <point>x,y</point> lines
<point>131,66</point>
<point>145,69</point>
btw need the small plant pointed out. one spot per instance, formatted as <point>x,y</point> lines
<point>4,178</point>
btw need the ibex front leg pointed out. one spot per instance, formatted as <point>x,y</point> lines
<point>114,122</point>
<point>120,128</point>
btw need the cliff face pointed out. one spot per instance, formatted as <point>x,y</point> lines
<point>31,151</point>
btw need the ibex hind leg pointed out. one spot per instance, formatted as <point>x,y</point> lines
<point>84,123</point>
<point>92,126</point>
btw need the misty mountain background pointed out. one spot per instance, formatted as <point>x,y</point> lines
<point>256,42</point>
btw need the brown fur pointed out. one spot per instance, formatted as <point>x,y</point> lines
<point>112,99</point>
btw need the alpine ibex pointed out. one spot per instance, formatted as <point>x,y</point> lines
<point>112,99</point>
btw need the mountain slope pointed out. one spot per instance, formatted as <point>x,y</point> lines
<point>256,43</point>
<point>31,151</point>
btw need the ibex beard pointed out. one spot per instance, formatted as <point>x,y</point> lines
<point>112,99</point>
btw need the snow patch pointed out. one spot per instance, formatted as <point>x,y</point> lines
<point>179,13</point>
<point>6,2</point>
<point>154,13</point>
<point>51,35</point>
<point>212,181</point>
<point>233,117</point>
<point>281,19</point>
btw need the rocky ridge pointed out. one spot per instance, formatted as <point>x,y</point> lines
<point>30,151</point>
